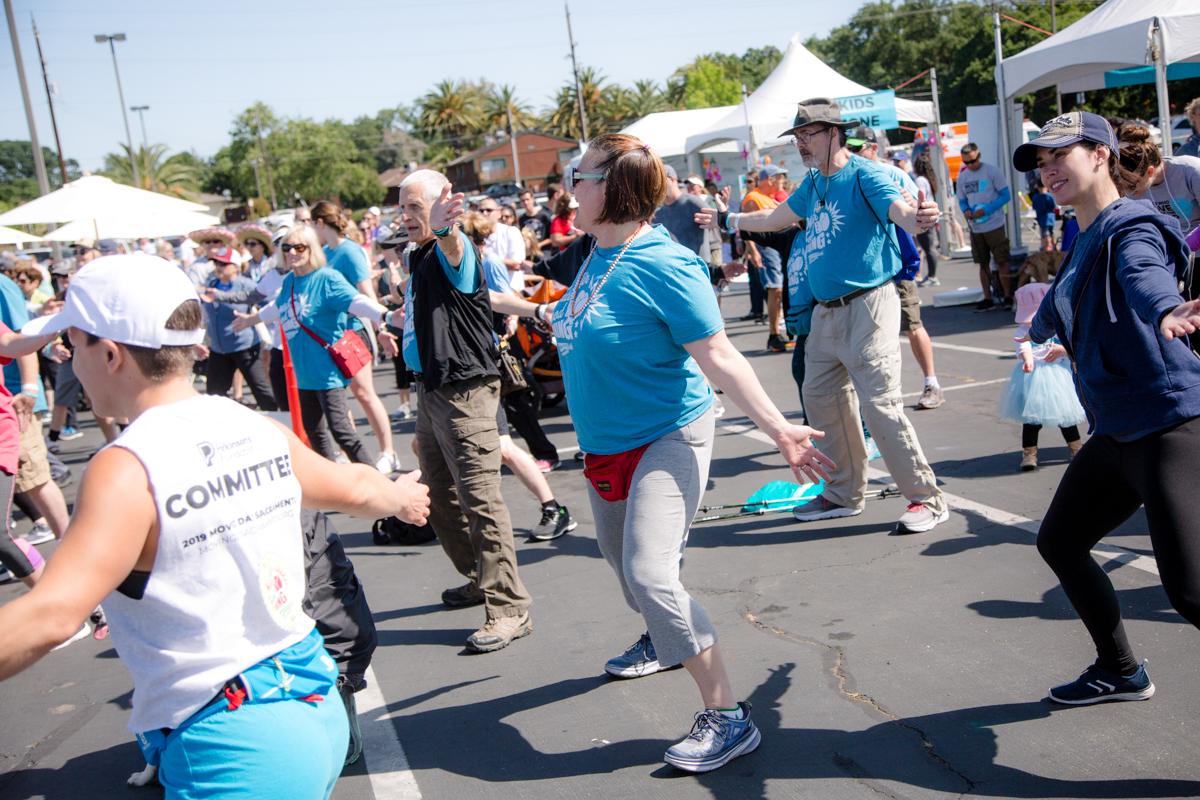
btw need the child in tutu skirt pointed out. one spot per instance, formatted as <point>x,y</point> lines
<point>1041,390</point>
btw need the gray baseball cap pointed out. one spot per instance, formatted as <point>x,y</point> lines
<point>1063,131</point>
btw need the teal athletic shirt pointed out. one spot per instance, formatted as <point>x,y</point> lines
<point>629,379</point>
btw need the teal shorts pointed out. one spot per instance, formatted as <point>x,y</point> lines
<point>283,750</point>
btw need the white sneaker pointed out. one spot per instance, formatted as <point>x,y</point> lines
<point>388,462</point>
<point>83,632</point>
<point>403,412</point>
<point>918,518</point>
<point>40,533</point>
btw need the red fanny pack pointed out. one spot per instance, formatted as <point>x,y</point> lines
<point>612,475</point>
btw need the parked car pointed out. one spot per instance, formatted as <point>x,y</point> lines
<point>503,192</point>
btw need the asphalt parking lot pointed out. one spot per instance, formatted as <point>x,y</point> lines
<point>878,666</point>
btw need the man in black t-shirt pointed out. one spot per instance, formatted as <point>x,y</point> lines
<point>534,217</point>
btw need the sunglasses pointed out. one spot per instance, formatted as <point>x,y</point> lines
<point>298,248</point>
<point>967,163</point>
<point>212,241</point>
<point>488,210</point>
<point>573,176</point>
<point>253,243</point>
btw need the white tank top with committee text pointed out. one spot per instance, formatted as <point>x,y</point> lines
<point>228,581</point>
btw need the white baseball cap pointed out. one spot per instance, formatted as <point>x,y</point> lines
<point>125,298</point>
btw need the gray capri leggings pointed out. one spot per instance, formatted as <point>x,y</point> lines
<point>643,538</point>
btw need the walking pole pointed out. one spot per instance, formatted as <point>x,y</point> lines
<point>293,393</point>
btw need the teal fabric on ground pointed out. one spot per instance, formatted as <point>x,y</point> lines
<point>629,379</point>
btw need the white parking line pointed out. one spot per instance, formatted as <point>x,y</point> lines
<point>956,387</point>
<point>983,351</point>
<point>1104,551</point>
<point>381,746</point>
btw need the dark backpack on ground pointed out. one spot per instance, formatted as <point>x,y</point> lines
<point>395,531</point>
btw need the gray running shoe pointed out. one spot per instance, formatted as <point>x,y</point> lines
<point>638,661</point>
<point>554,523</point>
<point>715,740</point>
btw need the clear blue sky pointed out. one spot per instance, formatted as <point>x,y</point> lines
<point>198,64</point>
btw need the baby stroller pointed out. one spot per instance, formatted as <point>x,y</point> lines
<point>535,342</point>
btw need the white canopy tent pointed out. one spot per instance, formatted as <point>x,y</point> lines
<point>14,236</point>
<point>771,108</point>
<point>1116,35</point>
<point>135,225</point>
<point>667,131</point>
<point>93,197</point>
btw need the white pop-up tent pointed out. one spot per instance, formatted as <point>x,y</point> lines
<point>667,131</point>
<point>93,197</point>
<point>1117,35</point>
<point>771,108</point>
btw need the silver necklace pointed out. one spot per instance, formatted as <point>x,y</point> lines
<point>573,311</point>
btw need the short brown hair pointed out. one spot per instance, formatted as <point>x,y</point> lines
<point>28,270</point>
<point>635,181</point>
<point>166,362</point>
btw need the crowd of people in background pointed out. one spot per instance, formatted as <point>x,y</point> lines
<point>608,290</point>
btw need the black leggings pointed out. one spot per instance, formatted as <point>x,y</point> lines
<point>1104,486</point>
<point>324,411</point>
<point>278,381</point>
<point>520,408</point>
<point>1029,434</point>
<point>222,366</point>
<point>926,241</point>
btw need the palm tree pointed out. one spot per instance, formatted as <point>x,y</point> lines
<point>450,112</point>
<point>175,174</point>
<point>499,103</point>
<point>647,97</point>
<point>563,117</point>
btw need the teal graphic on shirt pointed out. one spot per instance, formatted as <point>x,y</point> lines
<point>629,379</point>
<point>843,245</point>
<point>322,298</point>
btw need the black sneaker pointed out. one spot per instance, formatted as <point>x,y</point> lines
<point>776,344</point>
<point>555,522</point>
<point>1098,685</point>
<point>985,305</point>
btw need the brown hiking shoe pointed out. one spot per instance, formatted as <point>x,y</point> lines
<point>1028,459</point>
<point>498,633</point>
<point>463,596</point>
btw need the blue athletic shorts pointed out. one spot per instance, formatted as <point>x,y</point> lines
<point>283,750</point>
<point>772,268</point>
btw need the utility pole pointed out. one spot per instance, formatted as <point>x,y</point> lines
<point>101,38</point>
<point>512,140</point>
<point>939,165</point>
<point>583,126</point>
<point>141,112</point>
<point>39,161</point>
<point>1054,30</point>
<point>62,163</point>
<point>262,149</point>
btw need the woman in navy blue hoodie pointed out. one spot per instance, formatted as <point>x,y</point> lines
<point>1116,307</point>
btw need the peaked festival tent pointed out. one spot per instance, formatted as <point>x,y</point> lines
<point>667,131</point>
<point>1096,51</point>
<point>772,106</point>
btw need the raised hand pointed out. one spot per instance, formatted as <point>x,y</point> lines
<point>928,212</point>
<point>447,209</point>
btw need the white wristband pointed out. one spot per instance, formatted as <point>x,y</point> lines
<point>30,389</point>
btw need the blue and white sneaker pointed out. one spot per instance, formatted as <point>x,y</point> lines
<point>715,740</point>
<point>68,433</point>
<point>1098,685</point>
<point>638,661</point>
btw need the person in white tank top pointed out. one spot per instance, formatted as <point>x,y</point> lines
<point>200,564</point>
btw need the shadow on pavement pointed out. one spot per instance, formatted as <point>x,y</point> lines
<point>1147,603</point>
<point>98,774</point>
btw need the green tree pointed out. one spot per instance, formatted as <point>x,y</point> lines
<point>562,119</point>
<point>501,101</point>
<point>451,112</point>
<point>707,84</point>
<point>174,174</point>
<point>721,76</point>
<point>18,179</point>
